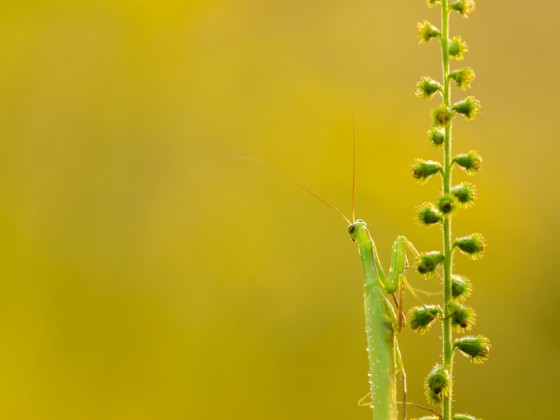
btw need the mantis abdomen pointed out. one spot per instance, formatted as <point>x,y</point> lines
<point>381,353</point>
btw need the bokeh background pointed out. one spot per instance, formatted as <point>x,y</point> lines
<point>146,273</point>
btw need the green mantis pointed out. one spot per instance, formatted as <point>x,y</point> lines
<point>383,319</point>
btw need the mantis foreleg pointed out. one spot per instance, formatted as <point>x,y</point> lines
<point>396,281</point>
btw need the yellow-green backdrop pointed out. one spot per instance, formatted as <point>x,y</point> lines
<point>145,273</point>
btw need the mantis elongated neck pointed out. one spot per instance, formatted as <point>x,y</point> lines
<point>366,249</point>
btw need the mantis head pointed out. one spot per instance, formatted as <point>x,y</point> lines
<point>355,228</point>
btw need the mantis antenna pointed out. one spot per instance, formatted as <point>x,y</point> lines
<point>353,166</point>
<point>303,187</point>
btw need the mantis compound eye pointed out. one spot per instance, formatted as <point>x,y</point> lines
<point>351,229</point>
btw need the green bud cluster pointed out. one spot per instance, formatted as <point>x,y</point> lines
<point>427,31</point>
<point>436,136</point>
<point>424,169</point>
<point>437,384</point>
<point>471,245</point>
<point>421,317</point>
<point>457,48</point>
<point>462,316</point>
<point>446,203</point>
<point>426,88</point>
<point>469,162</point>
<point>464,7</point>
<point>464,193</point>
<point>428,214</point>
<point>476,348</point>
<point>468,107</point>
<point>441,116</point>
<point>461,288</point>
<point>453,313</point>
<point>463,77</point>
<point>428,262</point>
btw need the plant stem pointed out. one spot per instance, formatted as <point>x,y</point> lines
<point>447,249</point>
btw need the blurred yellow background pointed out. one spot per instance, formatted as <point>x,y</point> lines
<point>148,274</point>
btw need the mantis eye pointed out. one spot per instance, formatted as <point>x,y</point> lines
<point>351,229</point>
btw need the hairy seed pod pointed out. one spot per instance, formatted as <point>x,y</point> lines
<point>446,204</point>
<point>463,7</point>
<point>457,47</point>
<point>437,384</point>
<point>428,262</point>
<point>468,107</point>
<point>421,317</point>
<point>465,194</point>
<point>461,288</point>
<point>428,214</point>
<point>471,245</point>
<point>427,31</point>
<point>462,317</point>
<point>469,162</point>
<point>441,116</point>
<point>463,77</point>
<point>426,88</point>
<point>422,170</point>
<point>436,136</point>
<point>476,348</point>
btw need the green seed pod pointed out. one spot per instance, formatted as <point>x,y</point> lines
<point>427,31</point>
<point>462,317</point>
<point>461,287</point>
<point>468,107</point>
<point>463,417</point>
<point>426,88</point>
<point>428,262</point>
<point>471,245</point>
<point>432,3</point>
<point>428,214</point>
<point>446,204</point>
<point>465,194</point>
<point>436,384</point>
<point>464,7</point>
<point>441,116</point>
<point>421,317</point>
<point>436,136</point>
<point>424,169</point>
<point>470,162</point>
<point>457,47</point>
<point>477,348</point>
<point>463,77</point>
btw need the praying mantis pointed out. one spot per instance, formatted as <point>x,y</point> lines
<point>383,319</point>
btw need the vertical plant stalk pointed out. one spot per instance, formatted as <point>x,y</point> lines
<point>453,314</point>
<point>447,248</point>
